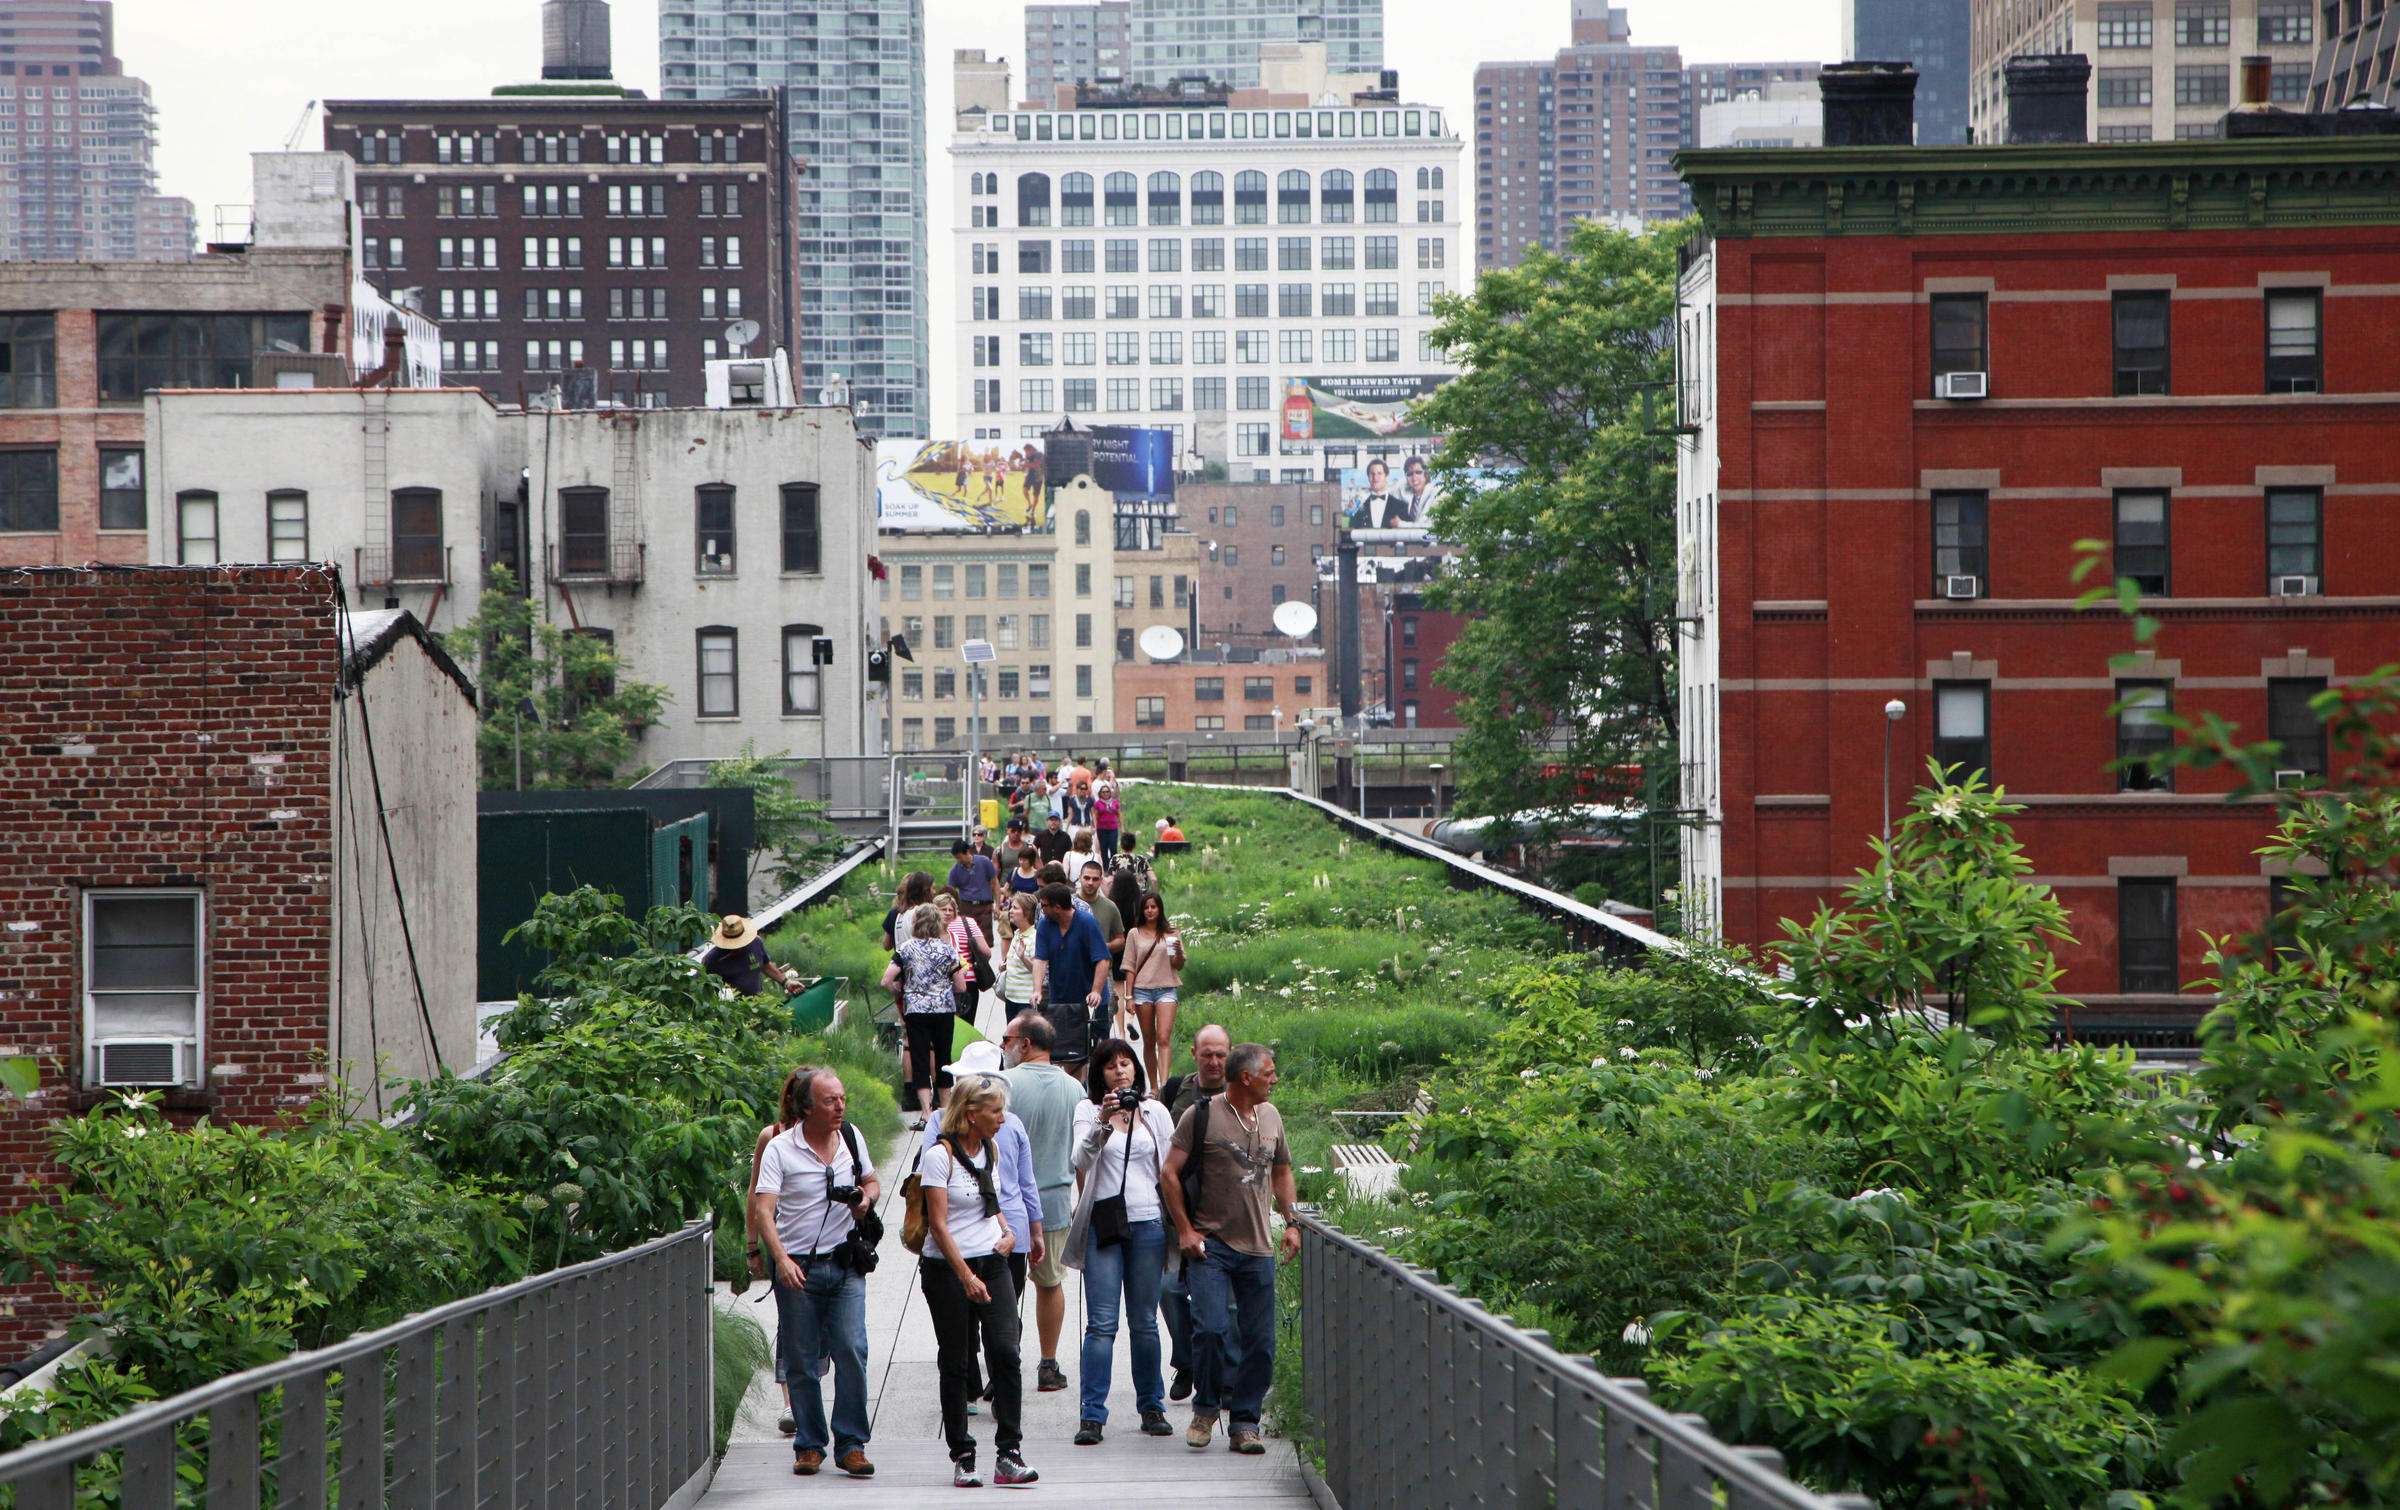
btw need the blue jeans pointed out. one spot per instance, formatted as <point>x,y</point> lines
<point>1233,1332</point>
<point>1175,1298</point>
<point>827,1314</point>
<point>1133,1268</point>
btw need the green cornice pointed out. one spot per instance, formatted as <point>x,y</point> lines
<point>2288,182</point>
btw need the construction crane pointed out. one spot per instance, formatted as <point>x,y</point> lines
<point>291,143</point>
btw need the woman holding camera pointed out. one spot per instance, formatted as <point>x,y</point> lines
<point>1119,1236</point>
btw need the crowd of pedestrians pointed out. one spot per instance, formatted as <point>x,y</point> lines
<point>1062,1145</point>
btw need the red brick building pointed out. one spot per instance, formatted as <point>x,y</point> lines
<point>2186,350</point>
<point>194,895</point>
<point>1230,698</point>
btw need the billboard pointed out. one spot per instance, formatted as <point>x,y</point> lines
<point>1400,496</point>
<point>1357,408</point>
<point>1133,463</point>
<point>959,485</point>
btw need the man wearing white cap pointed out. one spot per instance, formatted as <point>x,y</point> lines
<point>738,957</point>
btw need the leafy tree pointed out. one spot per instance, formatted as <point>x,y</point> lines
<point>584,718</point>
<point>1566,562</point>
<point>793,835</point>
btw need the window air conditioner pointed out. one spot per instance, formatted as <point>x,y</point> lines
<point>1962,587</point>
<point>145,1061</point>
<point>2287,781</point>
<point>1962,385</point>
<point>2295,587</point>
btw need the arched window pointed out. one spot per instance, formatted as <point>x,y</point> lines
<point>196,527</point>
<point>1083,527</point>
<point>1383,196</point>
<point>1208,198</point>
<point>1120,192</point>
<point>1250,198</point>
<point>1075,199</point>
<point>1337,196</point>
<point>417,554</point>
<point>1166,198</point>
<point>287,525</point>
<point>1291,197</point>
<point>582,532</point>
<point>1424,179</point>
<point>1033,199</point>
<point>803,673</point>
<point>1437,178</point>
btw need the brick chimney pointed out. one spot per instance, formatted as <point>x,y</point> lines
<point>1869,104</point>
<point>2046,98</point>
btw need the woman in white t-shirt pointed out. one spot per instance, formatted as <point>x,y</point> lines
<point>966,1280</point>
<point>1120,1144</point>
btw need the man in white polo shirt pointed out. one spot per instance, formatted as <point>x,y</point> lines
<point>813,1180</point>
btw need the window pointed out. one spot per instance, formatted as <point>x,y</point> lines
<point>803,545</point>
<point>583,531</point>
<point>2125,25</point>
<point>1250,198</point>
<point>1083,536</point>
<point>1083,631</point>
<point>2143,736</point>
<point>2283,23</point>
<point>1960,541</point>
<point>2293,723</point>
<point>287,525</point>
<point>1962,725</point>
<point>1258,689</point>
<point>124,500</point>
<point>1383,196</point>
<point>1150,712</point>
<point>1033,199</point>
<point>139,352</point>
<point>803,677</point>
<point>1961,335</point>
<point>1118,200</point>
<point>1292,197</point>
<point>1037,585</point>
<point>1208,689</point>
<point>1075,199</point>
<point>2203,23</point>
<point>417,554</point>
<point>2295,352</point>
<point>2140,321</point>
<point>2146,936</point>
<point>196,527</point>
<point>2295,537</point>
<point>2203,84</point>
<point>1166,199</point>
<point>2124,87</point>
<point>1083,680</point>
<point>712,530</point>
<point>144,966</point>
<point>1208,198</point>
<point>27,351</point>
<point>1336,196</point>
<point>720,692</point>
<point>2142,540</point>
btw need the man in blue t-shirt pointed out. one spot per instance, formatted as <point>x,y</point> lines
<point>1070,967</point>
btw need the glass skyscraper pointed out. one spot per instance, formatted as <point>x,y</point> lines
<point>1220,38</point>
<point>854,76</point>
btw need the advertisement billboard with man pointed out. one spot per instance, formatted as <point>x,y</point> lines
<point>959,485</point>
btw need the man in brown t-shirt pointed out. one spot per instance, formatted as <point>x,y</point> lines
<point>1228,1247</point>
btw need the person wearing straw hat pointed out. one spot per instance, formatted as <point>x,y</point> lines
<point>738,957</point>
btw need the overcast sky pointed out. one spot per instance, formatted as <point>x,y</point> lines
<point>231,76</point>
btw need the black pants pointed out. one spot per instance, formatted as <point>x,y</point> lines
<point>956,1323</point>
<point>928,1049</point>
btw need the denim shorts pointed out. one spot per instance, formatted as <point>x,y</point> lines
<point>1152,995</point>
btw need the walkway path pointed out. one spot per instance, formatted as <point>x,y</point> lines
<point>911,1467</point>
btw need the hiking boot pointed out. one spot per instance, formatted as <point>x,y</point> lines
<point>1088,1434</point>
<point>1011,1469</point>
<point>1154,1424</point>
<point>854,1463</point>
<point>1183,1386</point>
<point>1049,1379</point>
<point>807,1461</point>
<point>963,1474</point>
<point>1244,1439</point>
<point>1202,1428</point>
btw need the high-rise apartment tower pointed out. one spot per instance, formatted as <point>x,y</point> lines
<point>854,75</point>
<point>81,132</point>
<point>1175,39</point>
<point>1076,44</point>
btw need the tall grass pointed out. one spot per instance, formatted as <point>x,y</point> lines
<point>742,1349</point>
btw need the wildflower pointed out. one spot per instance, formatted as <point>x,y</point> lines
<point>1637,1334</point>
<point>1706,1076</point>
<point>1598,1060</point>
<point>1629,1053</point>
<point>1946,808</point>
<point>136,1130</point>
<point>1529,1074</point>
<point>1624,1022</point>
<point>1868,1195</point>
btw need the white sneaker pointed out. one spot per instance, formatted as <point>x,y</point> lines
<point>964,1476</point>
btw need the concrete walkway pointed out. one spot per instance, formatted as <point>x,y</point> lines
<point>912,1467</point>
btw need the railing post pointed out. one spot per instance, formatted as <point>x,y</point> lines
<point>454,1445</point>
<point>233,1454</point>
<point>412,1424</point>
<point>300,1446</point>
<point>496,1408</point>
<point>362,1433</point>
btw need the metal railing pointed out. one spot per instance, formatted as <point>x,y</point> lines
<point>1423,1397</point>
<point>621,564</point>
<point>587,1386</point>
<point>387,566</point>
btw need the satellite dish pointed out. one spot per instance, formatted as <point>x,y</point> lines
<point>1297,620</point>
<point>1161,642</point>
<point>740,334</point>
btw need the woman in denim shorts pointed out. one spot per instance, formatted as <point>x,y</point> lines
<point>1154,969</point>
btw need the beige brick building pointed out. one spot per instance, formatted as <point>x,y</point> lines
<point>2161,69</point>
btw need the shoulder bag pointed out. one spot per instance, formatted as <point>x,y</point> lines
<point>912,1205</point>
<point>1108,1213</point>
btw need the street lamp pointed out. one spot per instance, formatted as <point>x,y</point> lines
<point>1893,712</point>
<point>1436,768</point>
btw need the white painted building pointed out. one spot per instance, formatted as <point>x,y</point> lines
<point>1697,672</point>
<point>1786,113</point>
<point>723,551</point>
<point>1192,258</point>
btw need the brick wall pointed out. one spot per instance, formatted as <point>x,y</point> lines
<point>167,726</point>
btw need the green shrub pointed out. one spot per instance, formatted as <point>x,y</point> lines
<point>742,1349</point>
<point>1852,1410</point>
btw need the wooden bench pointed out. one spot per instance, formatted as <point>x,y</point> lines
<point>1368,1168</point>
